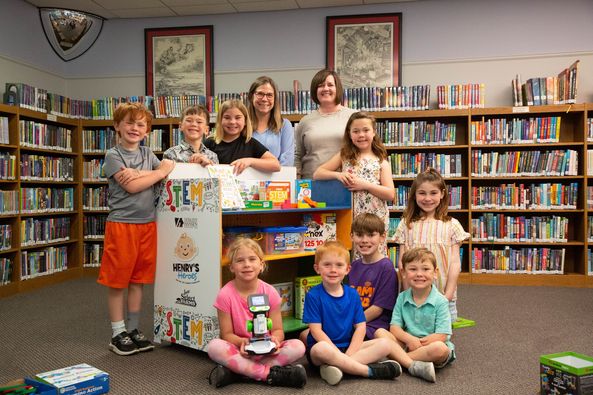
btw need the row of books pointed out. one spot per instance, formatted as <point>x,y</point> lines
<point>390,98</point>
<point>501,227</point>
<point>416,133</point>
<point>7,166</point>
<point>402,193</point>
<point>44,262</point>
<point>461,96</point>
<point>590,162</point>
<point>589,129</point>
<point>590,228</point>
<point>154,140</point>
<point>95,198</point>
<point>40,135</point>
<point>5,237</point>
<point>518,261</point>
<point>46,200</point>
<point>526,196</point>
<point>94,226</point>
<point>589,262</point>
<point>92,253</point>
<point>516,130</point>
<point>46,168</point>
<point>9,202</point>
<point>560,89</point>
<point>5,270</point>
<point>98,140</point>
<point>4,131</point>
<point>92,170</point>
<point>408,165</point>
<point>36,231</point>
<point>525,163</point>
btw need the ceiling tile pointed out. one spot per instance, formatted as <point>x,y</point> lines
<point>152,12</point>
<point>128,4</point>
<point>327,3</point>
<point>208,9</point>
<point>80,5</point>
<point>175,3</point>
<point>255,6</point>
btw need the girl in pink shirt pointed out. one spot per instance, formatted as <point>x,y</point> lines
<point>246,263</point>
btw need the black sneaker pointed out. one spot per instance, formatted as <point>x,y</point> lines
<point>122,344</point>
<point>141,341</point>
<point>287,376</point>
<point>385,370</point>
<point>221,376</point>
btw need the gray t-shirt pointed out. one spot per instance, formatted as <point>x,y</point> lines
<point>318,137</point>
<point>132,208</point>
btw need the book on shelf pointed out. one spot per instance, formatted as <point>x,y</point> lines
<point>560,89</point>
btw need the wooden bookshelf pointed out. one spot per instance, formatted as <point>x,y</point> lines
<point>573,136</point>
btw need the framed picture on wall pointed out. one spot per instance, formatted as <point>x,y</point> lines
<point>365,50</point>
<point>179,61</point>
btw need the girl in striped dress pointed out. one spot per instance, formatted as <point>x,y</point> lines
<point>425,223</point>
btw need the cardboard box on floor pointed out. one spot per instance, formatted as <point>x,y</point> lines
<point>566,373</point>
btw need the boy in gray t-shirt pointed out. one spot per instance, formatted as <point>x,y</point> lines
<point>129,248</point>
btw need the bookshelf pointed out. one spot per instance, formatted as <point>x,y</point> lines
<point>573,136</point>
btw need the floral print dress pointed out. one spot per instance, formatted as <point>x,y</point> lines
<point>369,169</point>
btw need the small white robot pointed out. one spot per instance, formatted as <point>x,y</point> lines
<point>260,343</point>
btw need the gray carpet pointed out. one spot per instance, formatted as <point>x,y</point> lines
<point>67,324</point>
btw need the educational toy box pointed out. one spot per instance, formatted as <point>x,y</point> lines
<point>79,379</point>
<point>321,227</point>
<point>283,239</point>
<point>285,290</point>
<point>566,373</point>
<point>302,285</point>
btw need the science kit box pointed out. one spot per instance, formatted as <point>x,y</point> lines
<point>302,285</point>
<point>566,373</point>
<point>79,379</point>
<point>321,227</point>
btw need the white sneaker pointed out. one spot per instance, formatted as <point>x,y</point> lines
<point>424,370</point>
<point>331,374</point>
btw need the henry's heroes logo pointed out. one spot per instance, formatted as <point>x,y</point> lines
<point>186,250</point>
<point>187,273</point>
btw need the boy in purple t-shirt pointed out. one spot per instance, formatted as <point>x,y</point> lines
<point>373,275</point>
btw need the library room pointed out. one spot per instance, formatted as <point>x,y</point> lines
<point>311,196</point>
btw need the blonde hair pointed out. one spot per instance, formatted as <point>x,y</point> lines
<point>251,244</point>
<point>136,110</point>
<point>413,212</point>
<point>247,131</point>
<point>419,254</point>
<point>332,247</point>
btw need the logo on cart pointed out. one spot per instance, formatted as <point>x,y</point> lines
<point>186,248</point>
<point>187,273</point>
<point>186,300</point>
<point>191,223</point>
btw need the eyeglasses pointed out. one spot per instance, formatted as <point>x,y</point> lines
<point>261,95</point>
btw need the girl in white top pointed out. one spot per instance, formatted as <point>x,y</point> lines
<point>318,135</point>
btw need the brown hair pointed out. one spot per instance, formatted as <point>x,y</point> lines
<point>199,109</point>
<point>136,110</point>
<point>349,152</point>
<point>420,254</point>
<point>414,213</point>
<point>275,122</point>
<point>247,131</point>
<point>332,246</point>
<point>247,243</point>
<point>319,79</point>
<point>367,223</point>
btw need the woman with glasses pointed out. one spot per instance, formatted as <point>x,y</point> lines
<point>269,128</point>
<point>319,134</point>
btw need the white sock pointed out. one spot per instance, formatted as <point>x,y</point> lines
<point>118,327</point>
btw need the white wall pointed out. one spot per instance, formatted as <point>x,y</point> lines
<point>443,41</point>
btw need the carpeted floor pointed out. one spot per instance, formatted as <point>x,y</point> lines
<point>67,324</point>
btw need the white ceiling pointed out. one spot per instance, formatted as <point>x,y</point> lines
<point>110,9</point>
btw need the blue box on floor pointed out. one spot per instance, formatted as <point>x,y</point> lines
<point>79,379</point>
<point>566,373</point>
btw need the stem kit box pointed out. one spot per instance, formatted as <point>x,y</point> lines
<point>566,373</point>
<point>79,379</point>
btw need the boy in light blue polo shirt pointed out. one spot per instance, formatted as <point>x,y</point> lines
<point>421,322</point>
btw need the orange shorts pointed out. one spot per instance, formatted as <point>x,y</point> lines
<point>129,254</point>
